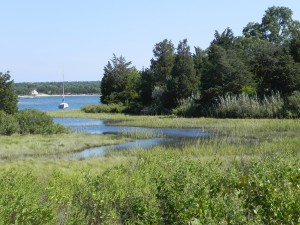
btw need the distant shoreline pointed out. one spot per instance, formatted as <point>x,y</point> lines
<point>46,95</point>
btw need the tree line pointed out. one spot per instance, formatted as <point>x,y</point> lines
<point>55,88</point>
<point>259,65</point>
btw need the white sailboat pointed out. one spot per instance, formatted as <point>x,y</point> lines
<point>63,104</point>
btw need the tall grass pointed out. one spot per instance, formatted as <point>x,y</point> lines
<point>141,134</point>
<point>246,106</point>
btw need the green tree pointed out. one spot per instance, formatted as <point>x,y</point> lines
<point>277,26</point>
<point>226,39</point>
<point>147,86</point>
<point>295,47</point>
<point>272,65</point>
<point>159,73</point>
<point>200,60</point>
<point>183,82</point>
<point>132,84</point>
<point>8,99</point>
<point>225,72</point>
<point>120,81</point>
<point>163,62</point>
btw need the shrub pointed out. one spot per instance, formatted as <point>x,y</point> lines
<point>8,124</point>
<point>104,108</point>
<point>22,199</point>
<point>293,106</point>
<point>35,122</point>
<point>188,107</point>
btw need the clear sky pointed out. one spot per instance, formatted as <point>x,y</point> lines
<point>39,39</point>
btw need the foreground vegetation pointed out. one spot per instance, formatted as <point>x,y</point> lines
<point>248,172</point>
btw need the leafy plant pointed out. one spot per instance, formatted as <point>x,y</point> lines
<point>35,122</point>
<point>8,124</point>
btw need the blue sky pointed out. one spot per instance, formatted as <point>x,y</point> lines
<point>41,39</point>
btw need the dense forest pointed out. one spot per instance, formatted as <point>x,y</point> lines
<point>55,88</point>
<point>253,75</point>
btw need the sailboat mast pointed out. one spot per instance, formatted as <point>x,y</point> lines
<point>63,86</point>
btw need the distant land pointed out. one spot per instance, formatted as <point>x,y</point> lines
<point>55,88</point>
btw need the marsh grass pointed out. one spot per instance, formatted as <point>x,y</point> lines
<point>141,134</point>
<point>20,146</point>
<point>247,172</point>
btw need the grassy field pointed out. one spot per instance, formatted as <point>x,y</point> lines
<point>247,172</point>
<point>34,146</point>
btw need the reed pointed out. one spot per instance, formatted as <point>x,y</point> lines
<point>246,106</point>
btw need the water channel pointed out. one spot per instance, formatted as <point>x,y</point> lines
<point>171,136</point>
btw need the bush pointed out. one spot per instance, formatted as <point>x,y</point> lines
<point>104,108</point>
<point>188,107</point>
<point>8,124</point>
<point>134,108</point>
<point>293,107</point>
<point>35,122</point>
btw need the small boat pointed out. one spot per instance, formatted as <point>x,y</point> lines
<point>63,104</point>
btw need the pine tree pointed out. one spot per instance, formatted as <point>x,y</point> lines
<point>8,99</point>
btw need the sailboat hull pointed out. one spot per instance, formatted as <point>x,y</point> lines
<point>63,105</point>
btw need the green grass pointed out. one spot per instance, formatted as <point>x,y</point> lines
<point>248,172</point>
<point>33,146</point>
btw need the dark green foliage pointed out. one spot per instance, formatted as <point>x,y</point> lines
<point>295,47</point>
<point>36,122</point>
<point>225,72</point>
<point>157,77</point>
<point>183,82</point>
<point>226,39</point>
<point>55,88</point>
<point>200,60</point>
<point>8,124</point>
<point>8,99</point>
<point>104,108</point>
<point>147,86</point>
<point>264,61</point>
<point>293,106</point>
<point>120,83</point>
<point>274,69</point>
<point>29,121</point>
<point>163,62</point>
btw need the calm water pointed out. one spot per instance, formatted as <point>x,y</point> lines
<point>95,126</point>
<point>50,103</point>
<point>173,136</point>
